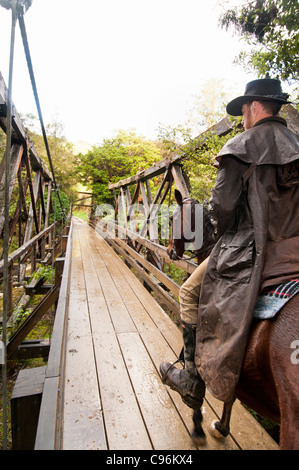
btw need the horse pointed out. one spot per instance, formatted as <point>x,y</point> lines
<point>269,379</point>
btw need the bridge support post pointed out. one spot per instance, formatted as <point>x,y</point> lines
<point>25,406</point>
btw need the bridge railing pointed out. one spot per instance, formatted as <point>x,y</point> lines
<point>31,199</point>
<point>132,237</point>
<point>49,424</point>
<point>143,249</point>
<point>28,192</point>
<point>144,265</point>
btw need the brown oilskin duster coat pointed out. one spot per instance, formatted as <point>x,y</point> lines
<point>255,204</point>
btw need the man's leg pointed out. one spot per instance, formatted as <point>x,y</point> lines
<point>189,294</point>
<point>187,382</point>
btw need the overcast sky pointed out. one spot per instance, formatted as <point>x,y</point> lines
<point>119,64</point>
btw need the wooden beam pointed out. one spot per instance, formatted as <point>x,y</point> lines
<point>148,189</point>
<point>187,266</point>
<point>25,405</point>
<point>49,417</point>
<point>155,170</point>
<point>14,164</point>
<point>25,248</point>
<point>136,192</point>
<point>164,297</point>
<point>22,191</point>
<point>20,135</point>
<point>162,277</point>
<point>49,199</point>
<point>31,349</point>
<point>33,193</point>
<point>42,199</point>
<point>30,322</point>
<point>82,199</point>
<point>221,128</point>
<point>123,206</point>
<point>179,180</point>
<point>153,209</point>
<point>34,286</point>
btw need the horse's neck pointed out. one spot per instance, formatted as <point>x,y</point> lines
<point>208,229</point>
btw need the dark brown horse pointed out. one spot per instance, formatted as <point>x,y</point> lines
<point>269,381</point>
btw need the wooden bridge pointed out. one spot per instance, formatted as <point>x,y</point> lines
<point>102,388</point>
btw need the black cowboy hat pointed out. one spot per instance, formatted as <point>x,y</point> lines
<point>264,89</point>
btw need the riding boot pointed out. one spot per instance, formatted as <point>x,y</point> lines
<point>187,381</point>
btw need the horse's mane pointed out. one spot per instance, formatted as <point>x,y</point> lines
<point>208,230</point>
<point>208,227</point>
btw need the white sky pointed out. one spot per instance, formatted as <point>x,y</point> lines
<point>103,65</point>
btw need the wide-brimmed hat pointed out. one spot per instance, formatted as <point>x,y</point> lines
<point>263,89</point>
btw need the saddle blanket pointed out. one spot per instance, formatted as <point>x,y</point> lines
<point>270,303</point>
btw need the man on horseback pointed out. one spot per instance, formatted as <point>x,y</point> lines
<point>254,207</point>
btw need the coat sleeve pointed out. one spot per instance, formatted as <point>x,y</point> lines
<point>226,193</point>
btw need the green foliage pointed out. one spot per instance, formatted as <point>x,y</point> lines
<point>2,143</point>
<point>201,164</point>
<point>253,19</point>
<point>117,158</point>
<point>177,274</point>
<point>272,28</point>
<point>61,151</point>
<point>81,215</point>
<point>43,272</point>
<point>201,152</point>
<point>57,213</point>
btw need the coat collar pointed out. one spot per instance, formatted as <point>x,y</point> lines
<point>270,119</point>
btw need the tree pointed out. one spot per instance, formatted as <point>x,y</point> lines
<point>272,28</point>
<point>209,106</point>
<point>208,109</point>
<point>62,152</point>
<point>2,143</point>
<point>117,158</point>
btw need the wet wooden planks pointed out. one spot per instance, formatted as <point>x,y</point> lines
<point>117,336</point>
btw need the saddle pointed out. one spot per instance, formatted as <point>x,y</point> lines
<point>271,302</point>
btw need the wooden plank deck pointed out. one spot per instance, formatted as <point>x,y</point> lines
<point>117,335</point>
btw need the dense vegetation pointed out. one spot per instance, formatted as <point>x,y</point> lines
<point>117,158</point>
<point>62,152</point>
<point>271,28</point>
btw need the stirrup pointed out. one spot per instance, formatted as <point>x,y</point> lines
<point>180,359</point>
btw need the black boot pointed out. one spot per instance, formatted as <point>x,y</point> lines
<point>187,382</point>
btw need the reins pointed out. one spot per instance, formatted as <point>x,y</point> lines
<point>196,254</point>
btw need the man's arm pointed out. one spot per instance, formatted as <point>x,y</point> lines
<point>226,193</point>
